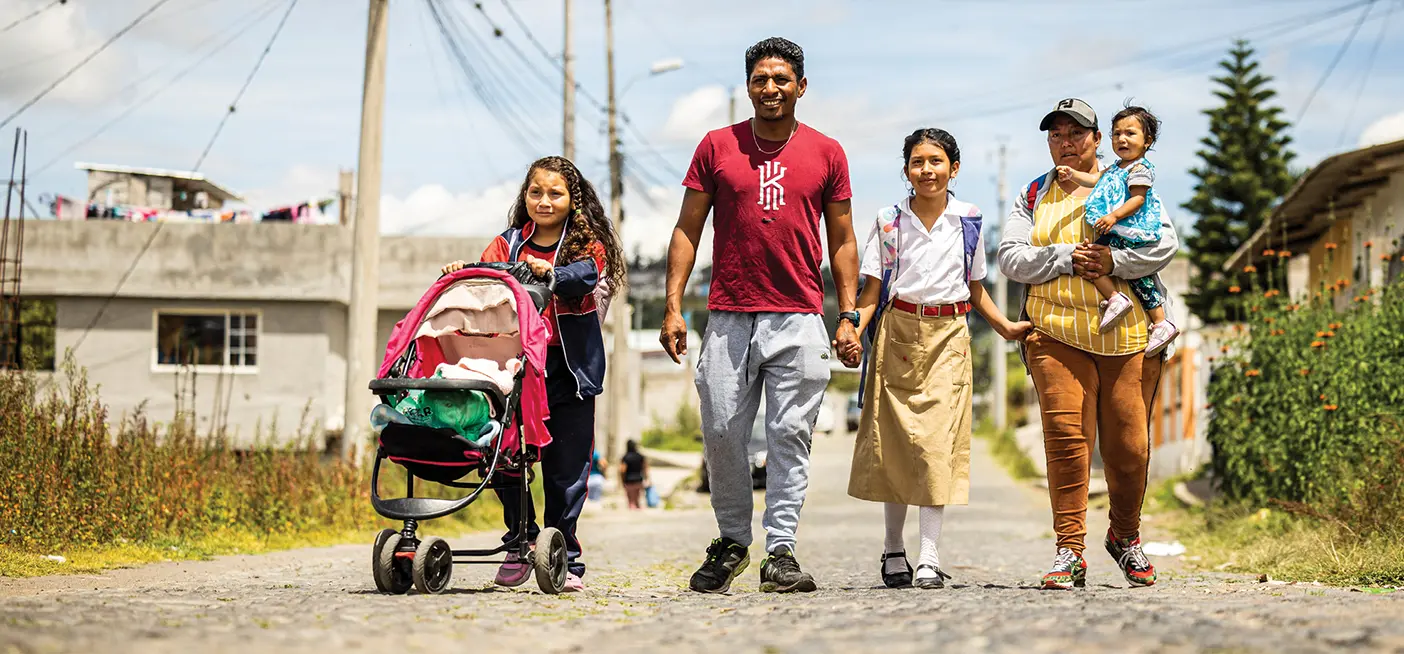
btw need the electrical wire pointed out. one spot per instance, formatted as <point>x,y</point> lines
<point>1336,60</point>
<point>69,73</point>
<point>1365,76</point>
<point>263,13</point>
<point>252,73</point>
<point>32,14</point>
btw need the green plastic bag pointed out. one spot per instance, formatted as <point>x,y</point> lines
<point>465,412</point>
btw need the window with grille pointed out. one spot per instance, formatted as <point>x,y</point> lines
<point>217,339</point>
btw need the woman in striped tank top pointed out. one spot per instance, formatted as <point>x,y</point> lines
<point>1090,383</point>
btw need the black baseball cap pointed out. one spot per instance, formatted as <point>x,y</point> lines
<point>1073,108</point>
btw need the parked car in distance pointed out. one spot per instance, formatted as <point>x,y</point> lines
<point>756,451</point>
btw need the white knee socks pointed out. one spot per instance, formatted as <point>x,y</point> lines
<point>931,517</point>
<point>896,517</point>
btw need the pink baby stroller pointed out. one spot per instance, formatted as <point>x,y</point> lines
<point>483,313</point>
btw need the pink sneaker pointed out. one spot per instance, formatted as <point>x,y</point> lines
<point>513,572</point>
<point>1160,335</point>
<point>573,583</point>
<point>1113,311</point>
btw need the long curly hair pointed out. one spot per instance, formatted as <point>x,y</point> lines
<point>587,222</point>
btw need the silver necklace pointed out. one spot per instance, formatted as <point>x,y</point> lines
<point>782,145</point>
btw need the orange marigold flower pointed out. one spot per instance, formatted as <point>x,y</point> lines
<point>1224,349</point>
<point>1318,343</point>
<point>1361,298</point>
<point>1323,397</point>
<point>1284,254</point>
<point>1334,325</point>
<point>1305,372</point>
<point>1212,358</point>
<point>1256,309</point>
<point>1321,334</point>
<point>1385,257</point>
<point>1331,246</point>
<point>1330,334</point>
<point>1250,268</point>
<point>1269,320</point>
<point>1329,407</point>
<point>1369,244</point>
<point>1253,373</point>
<point>1235,289</point>
<point>1342,282</point>
<point>1269,252</point>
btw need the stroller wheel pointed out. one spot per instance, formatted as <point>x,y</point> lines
<point>549,560</point>
<point>391,574</point>
<point>433,565</point>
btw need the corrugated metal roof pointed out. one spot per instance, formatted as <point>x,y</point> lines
<point>198,178</point>
<point>1339,183</point>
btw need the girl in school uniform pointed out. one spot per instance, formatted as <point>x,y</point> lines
<point>922,267</point>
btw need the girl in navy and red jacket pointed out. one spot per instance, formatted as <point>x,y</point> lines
<point>558,224</point>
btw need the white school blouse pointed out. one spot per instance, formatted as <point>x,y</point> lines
<point>932,269</point>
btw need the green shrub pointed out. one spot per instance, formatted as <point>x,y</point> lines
<point>684,435</point>
<point>74,480</point>
<point>1305,407</point>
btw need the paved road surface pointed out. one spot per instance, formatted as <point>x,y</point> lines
<point>321,600</point>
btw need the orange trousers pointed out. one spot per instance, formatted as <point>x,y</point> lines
<point>1080,393</point>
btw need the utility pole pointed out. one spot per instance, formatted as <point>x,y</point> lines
<point>619,374</point>
<point>731,106</point>
<point>999,368</point>
<point>344,192</point>
<point>362,306</point>
<point>568,89</point>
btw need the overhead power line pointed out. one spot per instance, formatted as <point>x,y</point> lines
<point>258,15</point>
<point>1336,60</point>
<point>252,73</point>
<point>1365,76</point>
<point>69,73</point>
<point>32,14</point>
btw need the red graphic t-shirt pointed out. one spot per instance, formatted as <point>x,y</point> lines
<point>766,212</point>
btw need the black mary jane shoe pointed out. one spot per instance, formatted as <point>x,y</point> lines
<point>931,582</point>
<point>896,579</point>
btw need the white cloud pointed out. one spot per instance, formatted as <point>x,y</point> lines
<point>1384,130</point>
<point>44,47</point>
<point>696,113</point>
<point>433,209</point>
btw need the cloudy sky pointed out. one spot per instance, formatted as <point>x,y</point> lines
<point>456,148</point>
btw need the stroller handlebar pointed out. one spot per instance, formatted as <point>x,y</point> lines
<point>540,290</point>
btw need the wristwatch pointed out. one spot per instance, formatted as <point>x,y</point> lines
<point>851,316</point>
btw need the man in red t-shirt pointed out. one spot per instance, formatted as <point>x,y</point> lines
<point>767,181</point>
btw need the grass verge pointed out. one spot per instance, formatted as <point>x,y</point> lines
<point>1240,538</point>
<point>101,494</point>
<point>1005,450</point>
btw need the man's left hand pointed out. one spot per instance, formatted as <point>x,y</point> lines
<point>848,345</point>
<point>1091,260</point>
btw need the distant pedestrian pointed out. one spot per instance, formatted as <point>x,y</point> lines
<point>596,485</point>
<point>633,471</point>
<point>922,268</point>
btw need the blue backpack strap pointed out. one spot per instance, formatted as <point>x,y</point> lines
<point>891,260</point>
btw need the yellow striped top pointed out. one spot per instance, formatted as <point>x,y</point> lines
<point>1067,307</point>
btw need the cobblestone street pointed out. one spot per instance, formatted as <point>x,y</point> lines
<point>322,600</point>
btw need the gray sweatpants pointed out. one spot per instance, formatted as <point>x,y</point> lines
<point>786,357</point>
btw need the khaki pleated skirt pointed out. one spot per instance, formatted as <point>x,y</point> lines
<point>913,444</point>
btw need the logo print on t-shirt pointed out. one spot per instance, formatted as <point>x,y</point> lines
<point>772,194</point>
